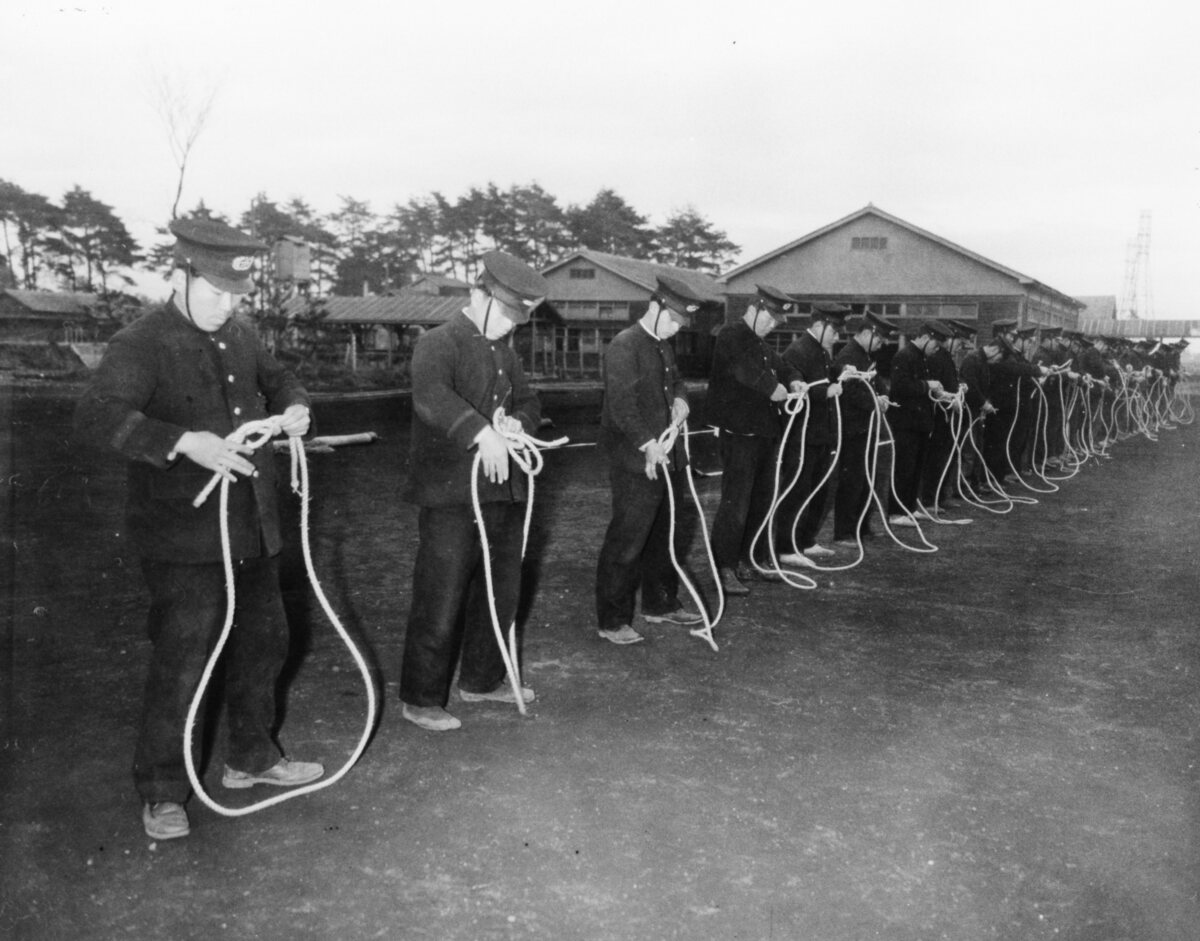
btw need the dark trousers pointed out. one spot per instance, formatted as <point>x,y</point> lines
<point>911,451</point>
<point>817,458</point>
<point>636,551</point>
<point>941,446</point>
<point>1019,444</point>
<point>995,442</point>
<point>853,493</point>
<point>747,486</point>
<point>187,611</point>
<point>450,615</point>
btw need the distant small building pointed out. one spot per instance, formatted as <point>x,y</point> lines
<point>382,329</point>
<point>439,285</point>
<point>596,295</point>
<point>39,317</point>
<point>872,259</point>
<point>1098,307</point>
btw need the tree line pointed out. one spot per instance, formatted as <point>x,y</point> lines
<point>81,244</point>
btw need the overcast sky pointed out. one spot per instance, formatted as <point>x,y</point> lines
<point>1033,133</point>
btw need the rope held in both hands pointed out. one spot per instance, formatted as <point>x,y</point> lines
<point>526,452</point>
<point>255,434</point>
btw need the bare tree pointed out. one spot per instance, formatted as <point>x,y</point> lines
<point>183,116</point>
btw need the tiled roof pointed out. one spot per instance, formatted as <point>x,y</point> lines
<point>645,273</point>
<point>407,308</point>
<point>1148,329</point>
<point>55,302</point>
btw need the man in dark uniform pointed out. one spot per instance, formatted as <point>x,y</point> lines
<point>468,388</point>
<point>644,395</point>
<point>811,358</point>
<point>171,388</point>
<point>1008,375</point>
<point>1048,442</point>
<point>937,483</point>
<point>1026,403</point>
<point>858,402</point>
<point>747,384</point>
<point>911,419</point>
<point>975,373</point>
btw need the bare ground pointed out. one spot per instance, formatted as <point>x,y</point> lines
<point>996,741</point>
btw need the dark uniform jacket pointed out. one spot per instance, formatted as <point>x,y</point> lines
<point>459,379</point>
<point>941,367</point>
<point>858,399</point>
<point>811,363</point>
<point>160,377</point>
<point>745,371</point>
<point>910,391</point>
<point>641,383</point>
<point>1095,365</point>
<point>1007,375</point>
<point>976,373</point>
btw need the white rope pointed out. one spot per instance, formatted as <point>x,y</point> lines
<point>526,452</point>
<point>666,441</point>
<point>255,434</point>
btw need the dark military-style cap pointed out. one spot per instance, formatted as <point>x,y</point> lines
<point>936,329</point>
<point>830,312</point>
<point>221,254</point>
<point>1027,331</point>
<point>1004,326</point>
<point>680,299</point>
<point>774,301</point>
<point>513,283</point>
<point>1050,331</point>
<point>963,331</point>
<point>885,328</point>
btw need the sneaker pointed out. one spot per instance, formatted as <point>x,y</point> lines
<point>433,718</point>
<point>681,615</point>
<point>502,693</point>
<point>798,560</point>
<point>284,773</point>
<point>165,820</point>
<point>818,552</point>
<point>898,520</point>
<point>622,635</point>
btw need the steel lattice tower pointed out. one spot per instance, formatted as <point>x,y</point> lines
<point>1137,301</point>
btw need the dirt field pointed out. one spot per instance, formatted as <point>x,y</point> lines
<point>996,741</point>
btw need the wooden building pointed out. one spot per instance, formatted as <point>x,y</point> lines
<point>40,317</point>
<point>595,295</point>
<point>871,259</point>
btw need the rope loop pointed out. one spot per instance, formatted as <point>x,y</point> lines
<point>257,433</point>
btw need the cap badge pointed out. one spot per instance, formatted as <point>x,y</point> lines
<point>242,263</point>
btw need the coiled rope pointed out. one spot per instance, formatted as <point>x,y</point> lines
<point>256,434</point>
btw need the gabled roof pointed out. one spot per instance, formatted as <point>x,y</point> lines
<point>1098,306</point>
<point>645,273</point>
<point>871,210</point>
<point>77,303</point>
<point>435,284</point>
<point>413,308</point>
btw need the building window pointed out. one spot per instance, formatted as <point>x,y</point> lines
<point>873,243</point>
<point>583,274</point>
